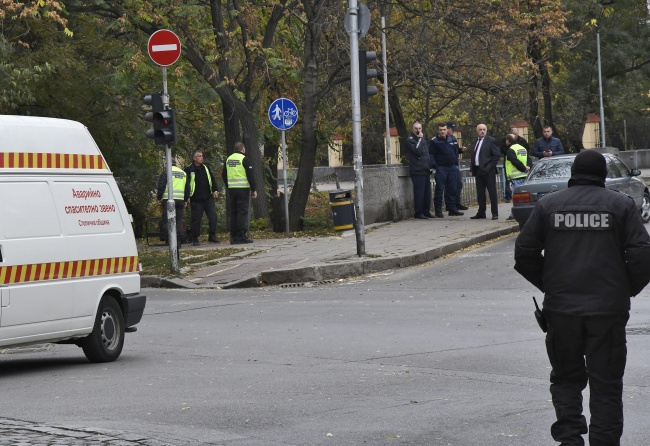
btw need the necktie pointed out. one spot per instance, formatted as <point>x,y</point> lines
<point>478,146</point>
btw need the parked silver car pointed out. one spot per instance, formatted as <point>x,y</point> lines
<point>553,173</point>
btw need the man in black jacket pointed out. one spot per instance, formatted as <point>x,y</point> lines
<point>588,251</point>
<point>201,190</point>
<point>485,157</point>
<point>417,153</point>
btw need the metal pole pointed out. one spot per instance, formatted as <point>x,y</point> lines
<point>359,229</point>
<point>600,93</point>
<point>389,159</point>
<point>171,205</point>
<point>286,191</point>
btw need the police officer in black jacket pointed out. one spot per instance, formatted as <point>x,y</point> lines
<point>586,248</point>
<point>417,153</point>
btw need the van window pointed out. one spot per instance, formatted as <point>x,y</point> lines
<point>87,207</point>
<point>28,210</point>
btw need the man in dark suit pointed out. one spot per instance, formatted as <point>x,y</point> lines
<point>485,157</point>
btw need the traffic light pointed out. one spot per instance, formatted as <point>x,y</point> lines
<point>365,57</point>
<point>165,127</point>
<point>163,119</point>
<point>156,102</point>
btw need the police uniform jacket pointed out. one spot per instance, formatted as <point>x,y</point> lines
<point>442,153</point>
<point>596,250</point>
<point>417,154</point>
<point>451,139</point>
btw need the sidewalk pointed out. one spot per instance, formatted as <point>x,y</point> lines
<point>299,260</point>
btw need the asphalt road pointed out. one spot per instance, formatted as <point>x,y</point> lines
<point>446,353</point>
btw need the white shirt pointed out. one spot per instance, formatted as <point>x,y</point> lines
<point>478,149</point>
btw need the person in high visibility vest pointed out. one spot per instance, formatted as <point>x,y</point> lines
<point>179,178</point>
<point>240,183</point>
<point>517,164</point>
<point>201,191</point>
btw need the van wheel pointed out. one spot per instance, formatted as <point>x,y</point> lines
<point>645,208</point>
<point>105,342</point>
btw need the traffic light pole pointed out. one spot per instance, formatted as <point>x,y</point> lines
<point>353,11</point>
<point>171,204</point>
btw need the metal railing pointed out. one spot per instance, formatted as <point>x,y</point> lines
<point>468,194</point>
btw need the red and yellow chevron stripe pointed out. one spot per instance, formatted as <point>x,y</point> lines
<point>67,270</point>
<point>18,160</point>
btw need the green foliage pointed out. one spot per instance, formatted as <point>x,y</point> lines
<point>259,224</point>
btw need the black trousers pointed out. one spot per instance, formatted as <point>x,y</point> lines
<point>421,194</point>
<point>488,181</point>
<point>180,213</point>
<point>238,201</point>
<point>587,349</point>
<point>197,210</point>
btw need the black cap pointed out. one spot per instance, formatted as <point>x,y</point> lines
<point>589,165</point>
<point>451,125</point>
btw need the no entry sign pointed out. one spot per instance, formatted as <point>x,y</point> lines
<point>164,47</point>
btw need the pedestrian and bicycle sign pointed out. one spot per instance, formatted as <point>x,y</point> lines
<point>283,114</point>
<point>164,47</point>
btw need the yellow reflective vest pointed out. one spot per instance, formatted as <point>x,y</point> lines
<point>179,177</point>
<point>512,172</point>
<point>236,172</point>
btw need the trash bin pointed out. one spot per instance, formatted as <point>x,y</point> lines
<point>342,209</point>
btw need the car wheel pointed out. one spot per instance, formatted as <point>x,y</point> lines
<point>105,342</point>
<point>645,208</point>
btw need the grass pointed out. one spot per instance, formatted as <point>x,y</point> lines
<point>155,261</point>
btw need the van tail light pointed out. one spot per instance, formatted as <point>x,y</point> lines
<point>521,198</point>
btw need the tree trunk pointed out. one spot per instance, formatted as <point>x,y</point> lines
<point>533,106</point>
<point>314,11</point>
<point>546,94</point>
<point>231,127</point>
<point>400,124</point>
<point>271,174</point>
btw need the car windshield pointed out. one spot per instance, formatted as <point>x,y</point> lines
<point>551,169</point>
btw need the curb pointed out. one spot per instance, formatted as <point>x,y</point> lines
<point>329,271</point>
<point>320,272</point>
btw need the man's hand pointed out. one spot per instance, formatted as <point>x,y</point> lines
<point>215,194</point>
<point>463,149</point>
<point>548,153</point>
<point>254,195</point>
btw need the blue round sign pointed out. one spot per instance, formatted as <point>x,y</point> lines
<point>283,114</point>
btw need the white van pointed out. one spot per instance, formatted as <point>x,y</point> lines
<point>69,270</point>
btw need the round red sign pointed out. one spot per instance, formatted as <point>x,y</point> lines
<point>164,47</point>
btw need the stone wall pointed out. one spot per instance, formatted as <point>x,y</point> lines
<point>636,159</point>
<point>387,193</point>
